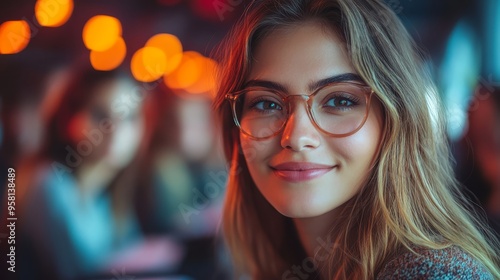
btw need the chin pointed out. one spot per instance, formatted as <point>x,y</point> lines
<point>301,210</point>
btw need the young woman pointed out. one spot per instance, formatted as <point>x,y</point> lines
<point>340,167</point>
<point>74,201</point>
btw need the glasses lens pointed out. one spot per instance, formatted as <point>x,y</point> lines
<point>340,108</point>
<point>260,113</point>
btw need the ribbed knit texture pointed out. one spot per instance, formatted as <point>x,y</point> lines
<point>446,264</point>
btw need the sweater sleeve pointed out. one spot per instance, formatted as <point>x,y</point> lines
<point>450,263</point>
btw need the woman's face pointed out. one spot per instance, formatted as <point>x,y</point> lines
<point>112,125</point>
<point>303,172</point>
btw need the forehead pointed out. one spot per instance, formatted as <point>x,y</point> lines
<point>301,54</point>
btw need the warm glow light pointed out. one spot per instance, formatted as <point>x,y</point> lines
<point>109,59</point>
<point>188,72</point>
<point>14,36</point>
<point>171,46</point>
<point>53,13</point>
<point>206,82</point>
<point>101,32</point>
<point>148,64</point>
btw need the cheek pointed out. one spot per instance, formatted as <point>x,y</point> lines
<point>361,148</point>
<point>257,153</point>
<point>124,142</point>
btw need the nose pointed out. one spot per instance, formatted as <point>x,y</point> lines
<point>299,133</point>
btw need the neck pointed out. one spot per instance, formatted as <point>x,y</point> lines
<point>315,236</point>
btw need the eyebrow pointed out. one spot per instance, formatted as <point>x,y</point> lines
<point>335,79</point>
<point>311,87</point>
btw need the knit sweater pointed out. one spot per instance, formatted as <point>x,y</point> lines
<point>445,264</point>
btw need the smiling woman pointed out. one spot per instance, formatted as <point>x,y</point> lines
<point>331,134</point>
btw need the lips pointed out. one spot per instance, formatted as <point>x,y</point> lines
<point>300,171</point>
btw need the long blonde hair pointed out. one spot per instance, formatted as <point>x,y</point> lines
<point>410,199</point>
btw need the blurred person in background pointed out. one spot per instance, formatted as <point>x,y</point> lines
<point>183,181</point>
<point>75,213</point>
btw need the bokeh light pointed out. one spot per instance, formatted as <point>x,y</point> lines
<point>101,32</point>
<point>206,82</point>
<point>171,47</point>
<point>52,13</point>
<point>14,36</point>
<point>148,64</point>
<point>111,58</point>
<point>188,72</point>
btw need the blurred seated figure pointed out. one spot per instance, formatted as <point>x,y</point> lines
<point>76,218</point>
<point>479,164</point>
<point>182,193</point>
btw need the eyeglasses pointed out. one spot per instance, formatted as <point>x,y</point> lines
<point>338,109</point>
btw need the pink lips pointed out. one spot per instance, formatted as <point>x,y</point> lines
<point>300,171</point>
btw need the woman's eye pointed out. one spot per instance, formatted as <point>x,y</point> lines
<point>339,102</point>
<point>267,105</point>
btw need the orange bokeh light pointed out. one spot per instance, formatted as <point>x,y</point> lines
<point>14,36</point>
<point>101,32</point>
<point>148,64</point>
<point>171,47</point>
<point>187,73</point>
<point>52,13</point>
<point>206,82</point>
<point>109,59</point>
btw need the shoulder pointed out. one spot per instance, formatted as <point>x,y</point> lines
<point>449,263</point>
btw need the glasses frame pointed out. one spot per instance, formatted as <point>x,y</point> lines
<point>308,98</point>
